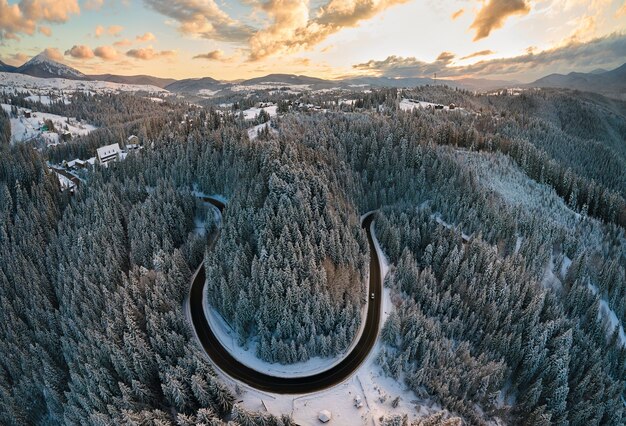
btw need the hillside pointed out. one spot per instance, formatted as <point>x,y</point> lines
<point>146,80</point>
<point>611,83</point>
<point>44,67</point>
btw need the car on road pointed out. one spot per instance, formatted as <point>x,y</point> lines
<point>372,296</point>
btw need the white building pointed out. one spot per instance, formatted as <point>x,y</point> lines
<point>324,416</point>
<point>109,153</point>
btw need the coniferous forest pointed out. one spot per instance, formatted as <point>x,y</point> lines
<point>503,223</point>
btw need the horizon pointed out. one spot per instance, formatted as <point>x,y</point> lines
<point>513,40</point>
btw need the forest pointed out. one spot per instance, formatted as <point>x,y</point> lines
<point>503,222</point>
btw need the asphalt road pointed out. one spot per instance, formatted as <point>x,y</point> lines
<point>258,380</point>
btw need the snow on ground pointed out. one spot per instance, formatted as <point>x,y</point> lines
<point>199,194</point>
<point>504,177</point>
<point>270,85</point>
<point>12,83</point>
<point>247,354</point>
<point>518,243</point>
<point>207,93</point>
<point>411,104</point>
<point>368,382</point>
<point>252,113</point>
<point>608,317</point>
<point>47,99</point>
<point>550,280</point>
<point>253,132</point>
<point>25,129</point>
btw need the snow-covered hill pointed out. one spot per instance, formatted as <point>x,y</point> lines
<point>12,82</point>
<point>42,66</point>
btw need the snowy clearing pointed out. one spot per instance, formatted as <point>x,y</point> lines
<point>608,317</point>
<point>25,129</point>
<point>411,104</point>
<point>252,113</point>
<point>253,132</point>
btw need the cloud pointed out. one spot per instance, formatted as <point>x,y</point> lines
<point>107,53</point>
<point>292,27</point>
<point>457,14</point>
<point>493,14</point>
<point>621,11</point>
<point>53,53</point>
<point>149,54</point>
<point>123,43</point>
<point>94,4</point>
<point>113,30</point>
<point>20,57</point>
<point>214,55</point>
<point>445,57</point>
<point>146,37</point>
<point>47,31</point>
<point>293,30</point>
<point>603,51</point>
<point>477,54</point>
<point>80,52</point>
<point>24,16</point>
<point>202,18</point>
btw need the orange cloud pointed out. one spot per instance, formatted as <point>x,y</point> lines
<point>80,52</point>
<point>123,43</point>
<point>457,14</point>
<point>202,18</point>
<point>214,55</point>
<point>47,31</point>
<point>149,54</point>
<point>107,53</point>
<point>621,11</point>
<point>292,29</point>
<point>477,54</point>
<point>146,37</point>
<point>113,30</point>
<point>493,15</point>
<point>23,17</point>
<point>53,53</point>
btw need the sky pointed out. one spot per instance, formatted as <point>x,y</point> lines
<point>236,39</point>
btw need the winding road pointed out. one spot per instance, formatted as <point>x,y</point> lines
<point>290,385</point>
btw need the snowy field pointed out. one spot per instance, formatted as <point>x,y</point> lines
<point>24,129</point>
<point>252,113</point>
<point>13,83</point>
<point>253,132</point>
<point>410,105</point>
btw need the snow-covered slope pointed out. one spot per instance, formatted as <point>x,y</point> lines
<point>42,66</point>
<point>12,82</point>
<point>25,129</point>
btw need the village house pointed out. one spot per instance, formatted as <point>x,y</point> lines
<point>109,153</point>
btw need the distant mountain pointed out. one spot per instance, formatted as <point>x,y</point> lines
<point>44,67</point>
<point>134,79</point>
<point>6,67</point>
<point>479,84</point>
<point>607,82</point>
<point>290,79</point>
<point>385,82</point>
<point>194,85</point>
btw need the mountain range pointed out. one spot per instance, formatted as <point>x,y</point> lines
<point>611,83</point>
